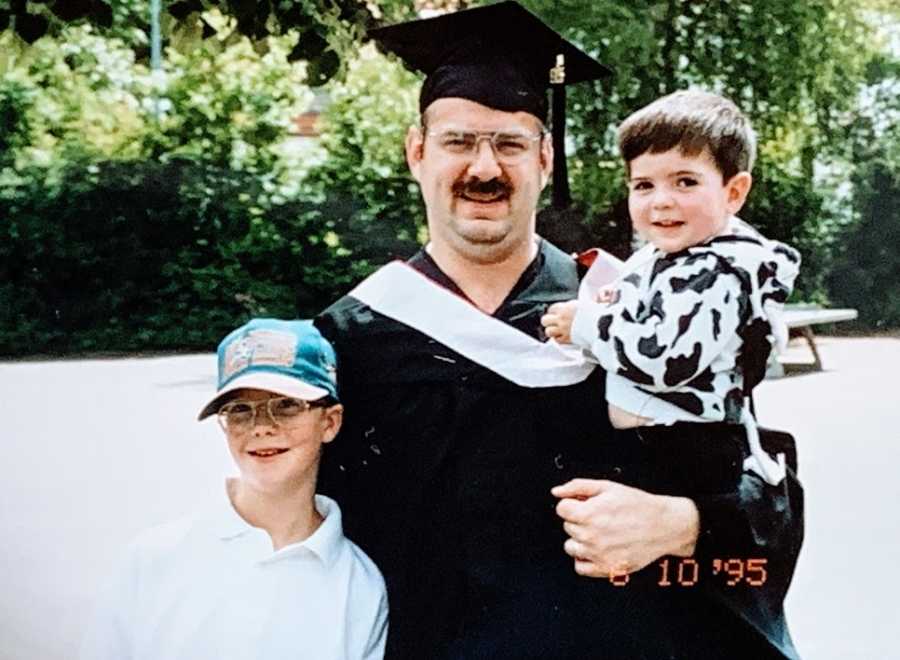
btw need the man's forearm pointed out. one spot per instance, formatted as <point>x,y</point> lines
<point>684,524</point>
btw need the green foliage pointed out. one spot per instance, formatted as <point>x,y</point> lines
<point>16,132</point>
<point>866,270</point>
<point>141,255</point>
<point>170,219</point>
<point>794,68</point>
<point>152,211</point>
<point>224,104</point>
<point>328,30</point>
<point>329,26</point>
<point>332,28</point>
<point>29,21</point>
<point>365,171</point>
<point>789,65</point>
<point>788,208</point>
<point>158,210</point>
<point>83,94</point>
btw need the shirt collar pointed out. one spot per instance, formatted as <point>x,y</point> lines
<point>324,542</point>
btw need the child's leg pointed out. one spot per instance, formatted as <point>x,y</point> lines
<point>695,458</point>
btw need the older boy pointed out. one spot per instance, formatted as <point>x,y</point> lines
<point>267,572</point>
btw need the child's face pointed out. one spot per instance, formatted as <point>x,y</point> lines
<point>279,456</point>
<point>677,201</point>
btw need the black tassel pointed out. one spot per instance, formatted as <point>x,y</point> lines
<point>562,197</point>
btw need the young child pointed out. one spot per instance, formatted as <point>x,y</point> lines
<point>686,330</point>
<point>267,573</point>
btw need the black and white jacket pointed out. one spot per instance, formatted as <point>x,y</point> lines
<point>689,327</point>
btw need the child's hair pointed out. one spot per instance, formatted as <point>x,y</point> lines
<point>691,120</point>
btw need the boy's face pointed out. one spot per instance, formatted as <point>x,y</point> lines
<point>274,457</point>
<point>677,201</point>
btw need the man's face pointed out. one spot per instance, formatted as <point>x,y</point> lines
<point>480,204</point>
<point>278,453</point>
<point>677,201</point>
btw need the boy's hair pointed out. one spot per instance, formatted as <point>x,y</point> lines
<point>691,120</point>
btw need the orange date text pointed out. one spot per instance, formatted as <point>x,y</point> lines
<point>687,572</point>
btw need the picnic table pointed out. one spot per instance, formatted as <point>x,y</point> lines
<point>801,318</point>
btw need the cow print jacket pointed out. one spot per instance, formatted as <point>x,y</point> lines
<point>689,328</point>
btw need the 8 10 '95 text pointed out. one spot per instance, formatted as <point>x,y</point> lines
<point>688,572</point>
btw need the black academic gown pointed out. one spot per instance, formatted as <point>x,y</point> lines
<point>443,470</point>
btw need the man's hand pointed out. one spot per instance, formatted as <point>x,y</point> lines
<point>557,321</point>
<point>615,529</point>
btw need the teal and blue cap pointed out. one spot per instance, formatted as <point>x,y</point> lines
<point>290,358</point>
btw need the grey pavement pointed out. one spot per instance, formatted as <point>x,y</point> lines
<point>844,603</point>
<point>96,450</point>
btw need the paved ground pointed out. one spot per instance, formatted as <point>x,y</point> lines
<point>97,450</point>
<point>844,603</point>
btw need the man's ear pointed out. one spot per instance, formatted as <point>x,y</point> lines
<point>546,160</point>
<point>736,190</point>
<point>415,144</point>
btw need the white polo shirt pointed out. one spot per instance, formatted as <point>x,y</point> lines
<point>210,587</point>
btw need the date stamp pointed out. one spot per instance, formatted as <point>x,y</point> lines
<point>688,572</point>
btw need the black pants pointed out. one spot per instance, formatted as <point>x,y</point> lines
<point>694,458</point>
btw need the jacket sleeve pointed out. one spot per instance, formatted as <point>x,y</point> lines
<point>664,335</point>
<point>758,528</point>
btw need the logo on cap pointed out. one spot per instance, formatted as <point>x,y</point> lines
<point>260,348</point>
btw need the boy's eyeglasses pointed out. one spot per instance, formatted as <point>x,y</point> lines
<point>241,415</point>
<point>510,146</point>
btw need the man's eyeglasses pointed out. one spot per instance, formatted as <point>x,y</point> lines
<point>510,146</point>
<point>241,415</point>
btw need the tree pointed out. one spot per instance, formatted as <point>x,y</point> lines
<point>365,171</point>
<point>32,20</point>
<point>866,269</point>
<point>866,272</point>
<point>327,31</point>
<point>126,188</point>
<point>795,68</point>
<point>785,64</point>
<point>147,211</point>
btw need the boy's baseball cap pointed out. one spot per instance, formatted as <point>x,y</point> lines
<point>290,358</point>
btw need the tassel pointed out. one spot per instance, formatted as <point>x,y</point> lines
<point>562,197</point>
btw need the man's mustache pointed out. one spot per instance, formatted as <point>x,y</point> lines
<point>493,187</point>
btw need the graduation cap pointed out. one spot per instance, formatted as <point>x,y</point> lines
<point>501,56</point>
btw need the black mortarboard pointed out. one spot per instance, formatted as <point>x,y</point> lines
<point>501,56</point>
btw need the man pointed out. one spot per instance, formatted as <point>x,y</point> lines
<point>460,421</point>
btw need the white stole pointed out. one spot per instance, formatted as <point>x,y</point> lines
<point>406,295</point>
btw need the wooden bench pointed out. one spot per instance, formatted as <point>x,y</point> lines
<point>801,318</point>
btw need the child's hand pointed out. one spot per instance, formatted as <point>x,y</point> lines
<point>557,321</point>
